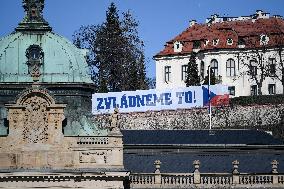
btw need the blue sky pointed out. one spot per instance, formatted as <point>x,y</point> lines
<point>160,20</point>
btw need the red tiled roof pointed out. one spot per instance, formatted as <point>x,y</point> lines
<point>247,29</point>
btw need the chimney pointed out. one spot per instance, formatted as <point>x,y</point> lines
<point>192,23</point>
<point>259,12</point>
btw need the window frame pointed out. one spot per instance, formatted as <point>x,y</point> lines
<point>214,67</point>
<point>230,68</point>
<point>167,74</point>
<point>253,90</point>
<point>273,87</point>
<point>230,89</point>
<point>202,69</point>
<point>215,42</point>
<point>272,62</point>
<point>230,41</point>
<point>253,67</point>
<point>184,72</point>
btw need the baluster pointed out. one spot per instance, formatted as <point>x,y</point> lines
<point>138,179</point>
<point>264,179</point>
<point>261,179</point>
<point>168,180</point>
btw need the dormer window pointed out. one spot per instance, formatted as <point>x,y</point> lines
<point>215,42</point>
<point>230,41</point>
<point>206,41</point>
<point>177,46</point>
<point>264,39</point>
<point>241,41</point>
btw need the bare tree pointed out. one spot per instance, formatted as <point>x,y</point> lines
<point>279,74</point>
<point>255,61</point>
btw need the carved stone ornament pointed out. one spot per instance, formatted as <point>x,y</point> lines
<point>33,20</point>
<point>35,118</point>
<point>33,9</point>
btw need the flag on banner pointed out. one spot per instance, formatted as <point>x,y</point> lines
<point>215,99</point>
<point>220,100</point>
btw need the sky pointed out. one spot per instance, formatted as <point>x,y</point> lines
<point>159,20</point>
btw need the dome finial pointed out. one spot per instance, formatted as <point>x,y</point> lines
<point>33,19</point>
<point>33,9</point>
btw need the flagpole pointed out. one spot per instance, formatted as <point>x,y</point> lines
<point>210,115</point>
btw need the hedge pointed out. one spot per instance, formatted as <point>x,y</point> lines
<point>260,100</point>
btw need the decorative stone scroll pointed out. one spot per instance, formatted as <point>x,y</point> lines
<point>97,157</point>
<point>35,118</point>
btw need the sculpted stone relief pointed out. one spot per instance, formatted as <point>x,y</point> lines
<point>35,120</point>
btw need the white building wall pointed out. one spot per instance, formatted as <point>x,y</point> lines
<point>241,82</point>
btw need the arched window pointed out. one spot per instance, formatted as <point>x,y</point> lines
<point>214,67</point>
<point>34,55</point>
<point>230,67</point>
<point>202,69</point>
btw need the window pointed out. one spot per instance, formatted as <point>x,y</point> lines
<point>167,73</point>
<point>230,67</point>
<point>184,72</point>
<point>214,67</point>
<point>177,46</point>
<point>230,41</point>
<point>272,67</point>
<point>231,90</point>
<point>253,90</point>
<point>206,41</point>
<point>202,69</point>
<point>253,68</point>
<point>264,39</point>
<point>271,89</point>
<point>215,42</point>
<point>241,41</point>
<point>196,44</point>
<point>34,53</point>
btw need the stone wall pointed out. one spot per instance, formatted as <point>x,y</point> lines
<point>267,117</point>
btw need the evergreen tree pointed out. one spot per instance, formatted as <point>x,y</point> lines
<point>192,78</point>
<point>212,78</point>
<point>116,55</point>
<point>135,59</point>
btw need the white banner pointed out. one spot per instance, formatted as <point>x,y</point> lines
<point>154,100</point>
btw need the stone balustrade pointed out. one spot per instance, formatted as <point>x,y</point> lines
<point>207,180</point>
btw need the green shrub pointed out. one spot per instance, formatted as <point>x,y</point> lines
<point>260,100</point>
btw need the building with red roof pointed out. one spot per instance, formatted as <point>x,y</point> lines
<point>244,53</point>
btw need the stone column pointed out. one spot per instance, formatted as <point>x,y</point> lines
<point>236,174</point>
<point>196,173</point>
<point>274,171</point>
<point>158,176</point>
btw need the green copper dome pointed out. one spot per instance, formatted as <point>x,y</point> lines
<point>34,53</point>
<point>61,61</point>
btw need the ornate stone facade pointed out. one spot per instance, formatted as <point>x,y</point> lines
<point>36,143</point>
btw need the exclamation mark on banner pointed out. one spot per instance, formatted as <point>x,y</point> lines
<point>194,99</point>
